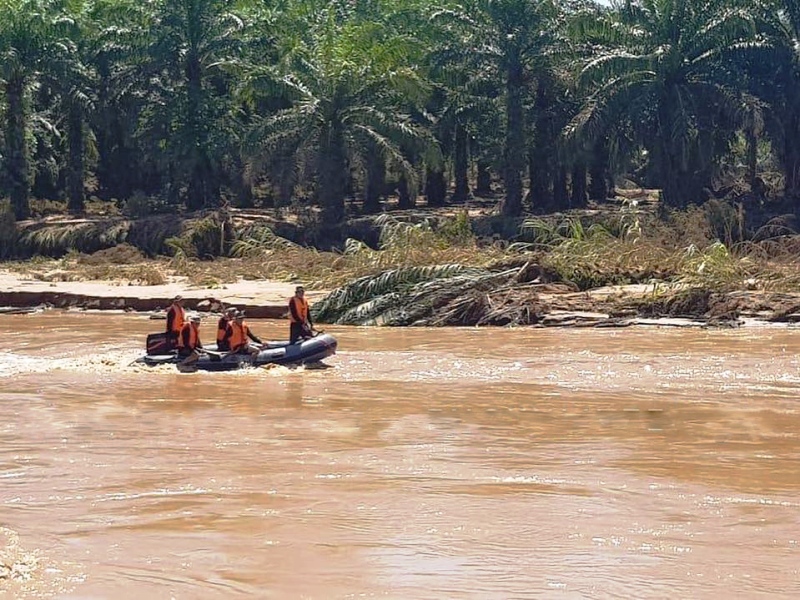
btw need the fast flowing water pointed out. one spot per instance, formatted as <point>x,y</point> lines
<point>529,463</point>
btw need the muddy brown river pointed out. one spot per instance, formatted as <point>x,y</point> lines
<point>424,464</point>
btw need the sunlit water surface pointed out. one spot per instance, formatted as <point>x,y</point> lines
<point>426,463</point>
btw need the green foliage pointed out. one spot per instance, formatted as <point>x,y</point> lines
<point>458,230</point>
<point>194,103</point>
<point>201,238</point>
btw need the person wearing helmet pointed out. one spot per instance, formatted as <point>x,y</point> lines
<point>189,339</point>
<point>225,329</point>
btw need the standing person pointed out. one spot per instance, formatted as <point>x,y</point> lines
<point>225,329</point>
<point>189,339</point>
<point>241,336</point>
<point>301,327</point>
<point>176,317</point>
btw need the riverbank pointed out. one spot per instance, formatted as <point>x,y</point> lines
<point>260,299</point>
<point>550,304</point>
<point>610,268</point>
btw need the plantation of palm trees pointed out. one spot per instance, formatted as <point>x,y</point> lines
<point>436,162</point>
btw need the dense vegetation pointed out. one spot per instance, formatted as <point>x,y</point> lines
<point>189,104</point>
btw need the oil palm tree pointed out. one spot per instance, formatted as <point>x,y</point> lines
<point>193,43</point>
<point>349,86</point>
<point>31,38</point>
<point>775,78</point>
<point>513,38</point>
<point>666,71</point>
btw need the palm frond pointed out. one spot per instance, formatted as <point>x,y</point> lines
<point>339,301</point>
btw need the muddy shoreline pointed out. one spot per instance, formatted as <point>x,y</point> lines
<point>618,306</point>
<point>259,299</point>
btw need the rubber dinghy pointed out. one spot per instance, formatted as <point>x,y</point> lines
<point>312,350</point>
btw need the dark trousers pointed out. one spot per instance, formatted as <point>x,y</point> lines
<point>298,331</point>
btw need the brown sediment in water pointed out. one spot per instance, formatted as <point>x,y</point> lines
<point>426,464</point>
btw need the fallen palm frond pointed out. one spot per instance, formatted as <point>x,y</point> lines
<point>442,295</point>
<point>368,288</point>
<point>86,236</point>
<point>257,240</point>
<point>200,238</point>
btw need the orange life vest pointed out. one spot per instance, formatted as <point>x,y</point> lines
<point>194,336</point>
<point>223,329</point>
<point>300,306</point>
<point>178,319</point>
<point>239,336</point>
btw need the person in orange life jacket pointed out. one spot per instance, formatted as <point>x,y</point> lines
<point>225,329</point>
<point>176,317</point>
<point>301,327</point>
<point>241,336</point>
<point>189,338</point>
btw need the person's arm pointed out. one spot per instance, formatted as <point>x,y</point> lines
<point>170,319</point>
<point>308,318</point>
<point>253,337</point>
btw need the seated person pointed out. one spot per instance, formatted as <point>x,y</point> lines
<point>241,336</point>
<point>225,329</point>
<point>176,317</point>
<point>189,337</point>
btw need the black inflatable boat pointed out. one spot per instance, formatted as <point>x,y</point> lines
<point>307,351</point>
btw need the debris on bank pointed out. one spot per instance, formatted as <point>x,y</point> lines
<point>526,295</point>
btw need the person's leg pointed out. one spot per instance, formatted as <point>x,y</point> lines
<point>295,332</point>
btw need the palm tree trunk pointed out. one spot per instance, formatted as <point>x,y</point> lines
<point>483,185</point>
<point>751,140</point>
<point>376,182</point>
<point>75,189</point>
<point>16,148</point>
<point>514,148</point>
<point>203,185</point>
<point>404,198</point>
<point>790,159</point>
<point>539,196</point>
<point>435,187</point>
<point>560,191</point>
<point>598,171</point>
<point>578,195</point>
<point>461,165</point>
<point>333,182</point>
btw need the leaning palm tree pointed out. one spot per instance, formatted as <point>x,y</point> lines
<point>666,71</point>
<point>31,36</point>
<point>348,86</point>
